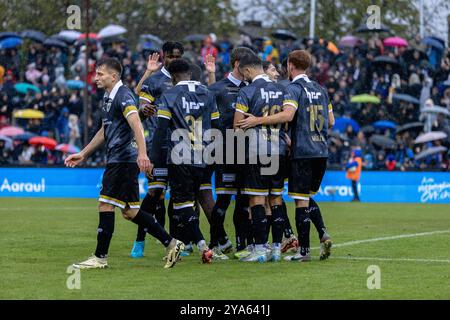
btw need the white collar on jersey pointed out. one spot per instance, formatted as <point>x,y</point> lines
<point>262,76</point>
<point>166,73</point>
<point>113,93</point>
<point>235,80</point>
<point>191,84</point>
<point>302,76</point>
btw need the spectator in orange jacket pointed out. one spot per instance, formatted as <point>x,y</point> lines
<point>353,169</point>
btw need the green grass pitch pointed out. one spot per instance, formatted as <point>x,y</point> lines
<point>40,238</point>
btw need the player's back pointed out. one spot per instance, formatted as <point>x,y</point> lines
<point>310,125</point>
<point>190,107</point>
<point>225,92</point>
<point>263,98</point>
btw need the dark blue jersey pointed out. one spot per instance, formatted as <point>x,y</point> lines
<point>309,128</point>
<point>152,88</point>
<point>263,98</point>
<point>190,108</point>
<point>119,137</point>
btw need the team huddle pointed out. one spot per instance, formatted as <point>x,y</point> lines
<point>251,131</point>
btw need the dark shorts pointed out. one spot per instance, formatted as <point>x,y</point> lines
<point>305,177</point>
<point>257,184</point>
<point>160,172</point>
<point>206,178</point>
<point>185,181</point>
<point>120,186</point>
<point>226,179</point>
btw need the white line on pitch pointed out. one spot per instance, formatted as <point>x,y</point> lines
<point>46,209</point>
<point>413,235</point>
<point>392,259</point>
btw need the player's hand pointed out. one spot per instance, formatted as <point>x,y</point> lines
<point>74,159</point>
<point>249,122</point>
<point>210,63</point>
<point>153,63</point>
<point>144,163</point>
<point>148,110</point>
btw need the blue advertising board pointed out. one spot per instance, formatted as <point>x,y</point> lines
<point>375,186</point>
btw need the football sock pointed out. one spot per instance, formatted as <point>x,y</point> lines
<point>218,219</point>
<point>259,224</point>
<point>160,212</point>
<point>287,229</point>
<point>302,220</point>
<point>316,217</point>
<point>278,224</point>
<point>152,226</point>
<point>104,233</point>
<point>269,224</point>
<point>191,223</point>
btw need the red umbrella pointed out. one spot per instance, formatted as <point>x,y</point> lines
<point>46,142</point>
<point>67,148</point>
<point>11,131</point>
<point>395,42</point>
<point>91,36</point>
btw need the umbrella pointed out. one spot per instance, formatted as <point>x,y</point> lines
<point>363,28</point>
<point>195,37</point>
<point>91,36</point>
<point>365,98</point>
<point>33,35</point>
<point>408,55</point>
<point>430,136</point>
<point>383,141</point>
<point>436,109</point>
<point>67,148</point>
<point>282,34</point>
<point>349,41</point>
<point>10,43</point>
<point>412,126</point>
<point>4,35</point>
<point>405,98</point>
<point>75,84</point>
<point>11,131</point>
<point>395,42</point>
<point>25,136</point>
<point>384,125</point>
<point>150,42</point>
<point>23,87</point>
<point>54,42</point>
<point>368,129</point>
<point>29,114</point>
<point>380,60</point>
<point>46,142</point>
<point>429,152</point>
<point>8,141</point>
<point>69,36</point>
<point>433,42</point>
<point>111,30</point>
<point>341,124</point>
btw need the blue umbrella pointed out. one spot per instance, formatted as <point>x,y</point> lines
<point>4,35</point>
<point>341,124</point>
<point>433,43</point>
<point>405,97</point>
<point>25,136</point>
<point>34,35</point>
<point>75,84</point>
<point>384,125</point>
<point>10,43</point>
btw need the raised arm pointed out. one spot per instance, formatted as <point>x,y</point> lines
<point>210,65</point>
<point>153,65</point>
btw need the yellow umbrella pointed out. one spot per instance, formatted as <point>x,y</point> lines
<point>28,114</point>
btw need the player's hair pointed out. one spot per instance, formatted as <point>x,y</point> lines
<point>238,53</point>
<point>301,59</point>
<point>111,63</point>
<point>169,46</point>
<point>179,66</point>
<point>196,72</point>
<point>266,65</point>
<point>250,60</point>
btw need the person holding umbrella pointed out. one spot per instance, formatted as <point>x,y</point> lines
<point>353,169</point>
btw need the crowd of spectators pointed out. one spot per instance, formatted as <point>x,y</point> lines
<point>367,67</point>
